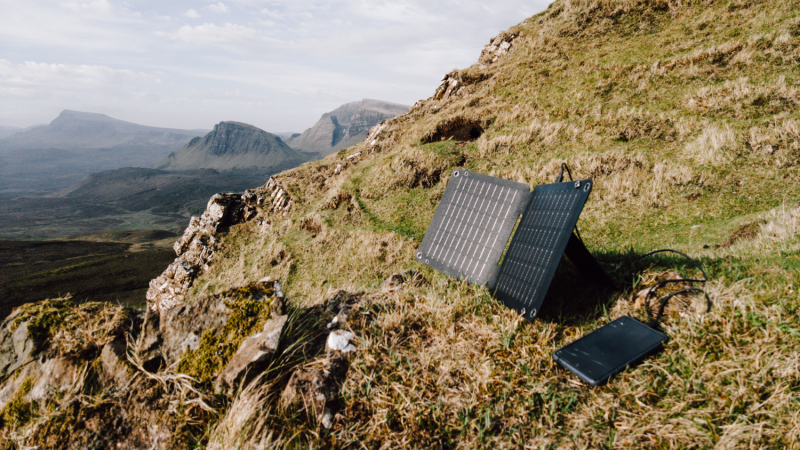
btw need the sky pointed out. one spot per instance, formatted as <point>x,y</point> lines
<point>274,64</point>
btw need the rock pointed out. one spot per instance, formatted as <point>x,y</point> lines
<point>114,359</point>
<point>16,347</point>
<point>168,333</point>
<point>497,48</point>
<point>254,353</point>
<point>198,245</point>
<point>316,391</point>
<point>339,340</point>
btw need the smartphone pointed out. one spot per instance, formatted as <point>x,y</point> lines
<point>609,349</point>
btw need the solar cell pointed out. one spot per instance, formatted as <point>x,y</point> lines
<point>471,226</point>
<point>540,240</point>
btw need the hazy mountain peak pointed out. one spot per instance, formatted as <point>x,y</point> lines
<point>345,126</point>
<point>235,147</point>
<point>70,115</point>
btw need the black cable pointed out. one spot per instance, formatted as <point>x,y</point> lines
<point>664,300</point>
<point>561,175</point>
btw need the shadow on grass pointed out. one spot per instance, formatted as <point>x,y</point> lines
<point>574,300</point>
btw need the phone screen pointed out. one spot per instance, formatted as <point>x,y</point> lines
<point>609,349</point>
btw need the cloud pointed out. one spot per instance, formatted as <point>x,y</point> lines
<point>217,7</point>
<point>192,13</point>
<point>96,7</point>
<point>212,34</point>
<point>274,15</point>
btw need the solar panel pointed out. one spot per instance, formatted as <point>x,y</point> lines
<point>475,219</point>
<point>471,226</point>
<point>539,242</point>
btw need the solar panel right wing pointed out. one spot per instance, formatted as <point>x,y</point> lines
<point>537,245</point>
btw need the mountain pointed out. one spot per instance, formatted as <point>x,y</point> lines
<point>236,148</point>
<point>75,144</point>
<point>82,130</point>
<point>8,131</point>
<point>344,127</point>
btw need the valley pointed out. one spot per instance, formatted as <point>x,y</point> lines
<point>109,267</point>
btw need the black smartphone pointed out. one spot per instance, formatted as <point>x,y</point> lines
<point>609,349</point>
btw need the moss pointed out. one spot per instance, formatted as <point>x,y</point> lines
<point>18,412</point>
<point>249,311</point>
<point>44,317</point>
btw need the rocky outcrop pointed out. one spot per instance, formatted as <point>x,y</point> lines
<point>497,48</point>
<point>198,245</point>
<point>457,82</point>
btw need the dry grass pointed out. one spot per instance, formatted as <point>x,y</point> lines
<point>715,146</point>
<point>745,99</point>
<point>680,113</point>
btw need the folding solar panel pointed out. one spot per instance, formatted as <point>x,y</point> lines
<point>475,219</point>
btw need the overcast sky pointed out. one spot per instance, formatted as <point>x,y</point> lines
<point>275,64</point>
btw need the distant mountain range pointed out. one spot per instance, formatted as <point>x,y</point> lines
<point>82,130</point>
<point>343,127</point>
<point>8,131</point>
<point>236,148</point>
<point>75,144</point>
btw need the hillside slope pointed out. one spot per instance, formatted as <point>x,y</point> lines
<point>234,147</point>
<point>683,114</point>
<point>343,127</point>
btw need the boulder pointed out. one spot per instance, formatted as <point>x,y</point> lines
<point>252,357</point>
<point>168,333</point>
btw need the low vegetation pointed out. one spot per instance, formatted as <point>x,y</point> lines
<point>684,115</point>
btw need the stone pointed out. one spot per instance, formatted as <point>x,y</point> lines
<point>114,359</point>
<point>16,347</point>
<point>339,340</point>
<point>252,356</point>
<point>168,333</point>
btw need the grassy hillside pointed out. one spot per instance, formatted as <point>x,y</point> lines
<point>685,115</point>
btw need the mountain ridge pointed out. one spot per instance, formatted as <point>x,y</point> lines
<point>237,148</point>
<point>84,130</point>
<point>344,127</point>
